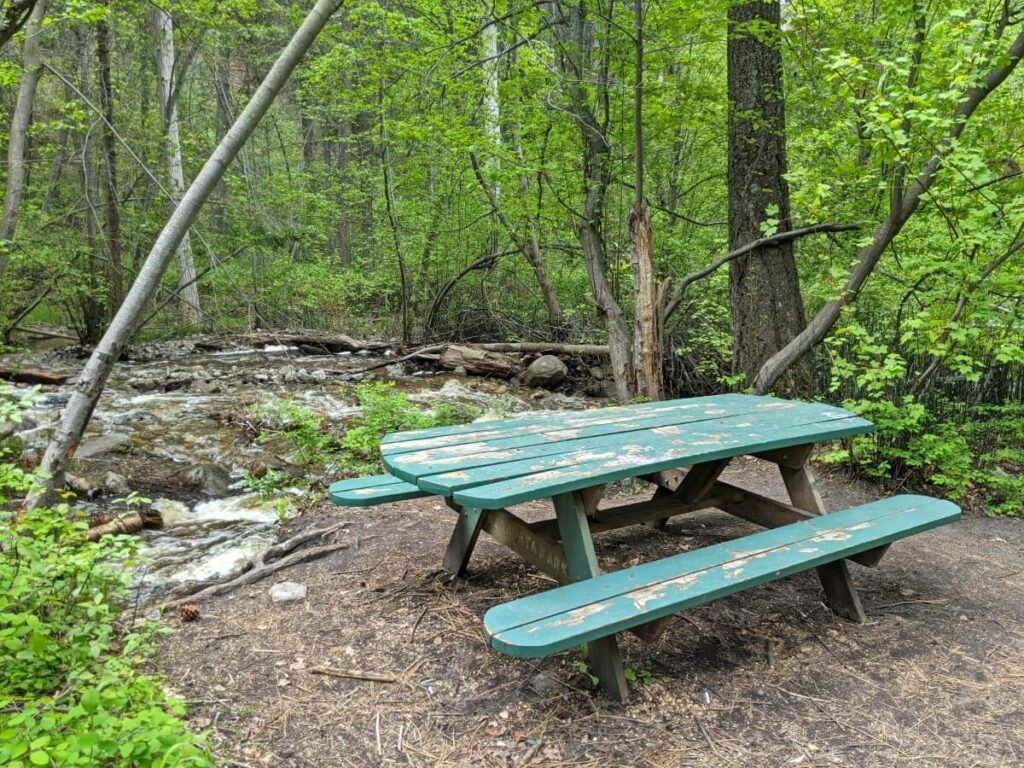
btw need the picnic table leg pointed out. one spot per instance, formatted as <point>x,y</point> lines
<point>605,659</point>
<point>467,530</point>
<point>835,577</point>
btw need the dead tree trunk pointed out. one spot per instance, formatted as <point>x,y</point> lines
<point>31,60</point>
<point>646,331</point>
<point>90,383</point>
<point>764,289</point>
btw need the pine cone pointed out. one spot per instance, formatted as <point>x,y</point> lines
<point>188,612</point>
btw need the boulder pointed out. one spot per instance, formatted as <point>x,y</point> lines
<point>546,371</point>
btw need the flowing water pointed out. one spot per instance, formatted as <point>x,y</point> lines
<point>167,427</point>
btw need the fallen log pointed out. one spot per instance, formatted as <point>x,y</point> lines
<point>126,524</point>
<point>309,342</point>
<point>544,347</point>
<point>32,376</point>
<point>481,362</point>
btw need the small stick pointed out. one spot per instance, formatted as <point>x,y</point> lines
<point>354,674</point>
<point>376,728</point>
<point>412,635</point>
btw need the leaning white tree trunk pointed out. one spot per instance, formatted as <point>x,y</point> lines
<point>188,290</point>
<point>90,383</point>
<point>20,123</point>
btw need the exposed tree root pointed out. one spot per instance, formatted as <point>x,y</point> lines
<point>276,558</point>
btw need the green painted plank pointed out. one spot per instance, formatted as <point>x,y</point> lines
<point>497,466</point>
<point>724,404</point>
<point>367,491</point>
<point>563,618</point>
<point>366,481</point>
<point>530,481</point>
<point>414,464</point>
<point>390,440</point>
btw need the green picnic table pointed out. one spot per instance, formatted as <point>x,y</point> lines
<point>680,447</point>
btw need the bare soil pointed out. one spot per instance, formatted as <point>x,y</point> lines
<point>767,677</point>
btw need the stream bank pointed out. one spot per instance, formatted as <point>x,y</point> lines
<point>172,427</point>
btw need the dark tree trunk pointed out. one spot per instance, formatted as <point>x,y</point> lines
<point>765,302</point>
<point>112,210</point>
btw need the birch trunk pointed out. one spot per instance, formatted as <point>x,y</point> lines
<point>20,123</point>
<point>188,290</point>
<point>87,389</point>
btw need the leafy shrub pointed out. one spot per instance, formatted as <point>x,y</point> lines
<point>383,409</point>
<point>70,690</point>
<point>973,448</point>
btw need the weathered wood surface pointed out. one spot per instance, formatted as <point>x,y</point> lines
<point>480,362</point>
<point>538,478</point>
<point>565,617</point>
<point>367,491</point>
<point>496,464</point>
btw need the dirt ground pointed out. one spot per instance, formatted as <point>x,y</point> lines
<point>767,677</point>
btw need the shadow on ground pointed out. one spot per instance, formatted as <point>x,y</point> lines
<point>764,678</point>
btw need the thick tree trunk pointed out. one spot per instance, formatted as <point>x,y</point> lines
<point>764,288</point>
<point>31,60</point>
<point>94,376</point>
<point>112,209</point>
<point>188,289</point>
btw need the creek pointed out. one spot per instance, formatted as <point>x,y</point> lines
<point>170,427</point>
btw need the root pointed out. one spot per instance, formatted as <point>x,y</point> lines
<point>276,558</point>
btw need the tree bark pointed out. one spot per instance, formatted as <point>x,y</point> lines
<point>188,289</point>
<point>112,209</point>
<point>21,121</point>
<point>90,383</point>
<point>575,35</point>
<point>392,210</point>
<point>646,314</point>
<point>766,305</point>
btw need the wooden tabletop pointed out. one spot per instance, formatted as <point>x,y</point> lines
<point>494,464</point>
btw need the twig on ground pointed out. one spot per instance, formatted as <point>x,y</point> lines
<point>354,674</point>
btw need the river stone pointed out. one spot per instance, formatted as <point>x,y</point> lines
<point>546,371</point>
<point>116,484</point>
<point>287,592</point>
<point>213,480</point>
<point>94,446</point>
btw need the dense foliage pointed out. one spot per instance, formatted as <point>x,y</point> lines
<point>425,148</point>
<point>71,690</point>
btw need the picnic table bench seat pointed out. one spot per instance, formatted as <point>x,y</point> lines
<point>376,489</point>
<point>566,617</point>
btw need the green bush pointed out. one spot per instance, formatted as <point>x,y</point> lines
<point>71,693</point>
